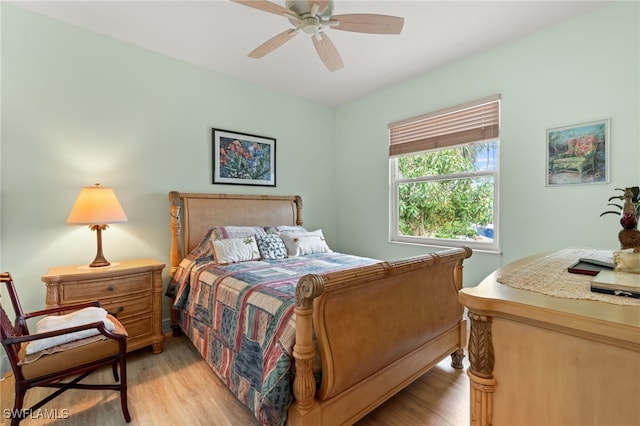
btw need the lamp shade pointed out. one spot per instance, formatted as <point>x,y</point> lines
<point>96,205</point>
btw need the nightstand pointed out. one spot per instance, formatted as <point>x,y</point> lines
<point>131,290</point>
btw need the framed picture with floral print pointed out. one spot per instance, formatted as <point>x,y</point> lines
<point>578,154</point>
<point>243,159</point>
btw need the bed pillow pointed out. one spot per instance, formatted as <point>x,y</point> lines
<point>271,247</point>
<point>233,250</point>
<point>284,228</point>
<point>204,247</point>
<point>301,243</point>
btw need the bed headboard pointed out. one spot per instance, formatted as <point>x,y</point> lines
<point>193,214</point>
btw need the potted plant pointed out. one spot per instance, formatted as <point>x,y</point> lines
<point>628,209</point>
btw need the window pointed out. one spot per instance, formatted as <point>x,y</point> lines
<point>444,176</point>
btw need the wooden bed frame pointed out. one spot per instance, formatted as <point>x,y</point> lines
<point>378,327</point>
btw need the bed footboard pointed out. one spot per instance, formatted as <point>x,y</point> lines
<point>378,328</point>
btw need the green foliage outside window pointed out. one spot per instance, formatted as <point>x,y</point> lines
<point>447,193</point>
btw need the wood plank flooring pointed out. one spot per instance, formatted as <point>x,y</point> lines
<point>176,387</point>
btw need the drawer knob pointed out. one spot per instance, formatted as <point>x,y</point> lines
<point>110,288</point>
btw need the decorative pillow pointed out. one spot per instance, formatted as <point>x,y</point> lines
<point>271,247</point>
<point>284,228</point>
<point>58,322</point>
<point>301,243</point>
<point>234,250</point>
<point>204,247</point>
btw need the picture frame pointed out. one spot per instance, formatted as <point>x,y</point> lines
<point>243,159</point>
<point>578,154</point>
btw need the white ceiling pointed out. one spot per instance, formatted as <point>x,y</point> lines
<point>218,34</point>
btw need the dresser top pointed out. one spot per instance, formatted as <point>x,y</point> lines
<point>606,320</point>
<point>115,269</point>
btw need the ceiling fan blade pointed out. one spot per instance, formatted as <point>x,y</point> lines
<point>267,6</point>
<point>368,23</point>
<point>327,52</point>
<point>273,43</point>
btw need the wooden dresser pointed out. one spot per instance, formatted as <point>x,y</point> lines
<point>543,360</point>
<point>131,290</point>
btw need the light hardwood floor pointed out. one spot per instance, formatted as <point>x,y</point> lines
<point>176,387</point>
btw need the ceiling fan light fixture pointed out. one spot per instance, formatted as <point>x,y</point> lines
<point>309,25</point>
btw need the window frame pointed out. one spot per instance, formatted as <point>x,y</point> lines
<point>394,189</point>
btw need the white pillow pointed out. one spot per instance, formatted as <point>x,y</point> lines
<point>284,228</point>
<point>301,243</point>
<point>234,250</point>
<point>204,247</point>
<point>58,322</point>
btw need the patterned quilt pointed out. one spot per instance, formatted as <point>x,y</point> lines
<point>240,317</point>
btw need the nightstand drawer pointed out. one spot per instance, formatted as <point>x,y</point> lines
<point>124,307</point>
<point>99,289</point>
<point>138,327</point>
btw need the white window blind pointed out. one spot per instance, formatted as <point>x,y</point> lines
<point>471,122</point>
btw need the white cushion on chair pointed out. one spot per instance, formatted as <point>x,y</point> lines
<point>58,322</point>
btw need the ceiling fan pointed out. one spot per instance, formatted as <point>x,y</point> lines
<point>314,17</point>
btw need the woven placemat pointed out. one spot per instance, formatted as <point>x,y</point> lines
<point>548,275</point>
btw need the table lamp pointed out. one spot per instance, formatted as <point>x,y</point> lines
<point>96,206</point>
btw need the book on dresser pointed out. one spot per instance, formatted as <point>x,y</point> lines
<point>617,283</point>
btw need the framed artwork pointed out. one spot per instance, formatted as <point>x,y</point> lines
<point>578,154</point>
<point>243,159</point>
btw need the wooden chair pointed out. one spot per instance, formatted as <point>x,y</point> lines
<point>72,362</point>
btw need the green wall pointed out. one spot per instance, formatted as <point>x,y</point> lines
<point>80,108</point>
<point>583,70</point>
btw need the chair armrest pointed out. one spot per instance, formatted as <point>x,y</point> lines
<point>98,325</point>
<point>62,309</point>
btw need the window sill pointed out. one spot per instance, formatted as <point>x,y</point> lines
<point>448,245</point>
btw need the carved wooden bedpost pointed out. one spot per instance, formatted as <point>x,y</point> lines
<point>457,277</point>
<point>176,251</point>
<point>480,372</point>
<point>175,254</point>
<point>304,384</point>
<point>458,356</point>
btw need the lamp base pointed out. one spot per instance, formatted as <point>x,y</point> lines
<point>99,261</point>
<point>89,268</point>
